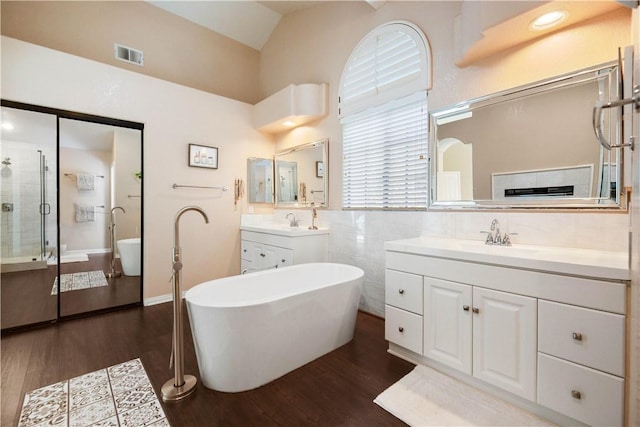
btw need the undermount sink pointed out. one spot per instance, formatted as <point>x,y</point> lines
<point>574,261</point>
<point>284,229</point>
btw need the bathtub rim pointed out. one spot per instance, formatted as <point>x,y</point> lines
<point>190,294</point>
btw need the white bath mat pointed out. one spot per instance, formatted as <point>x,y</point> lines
<point>76,281</point>
<point>120,395</point>
<point>425,397</point>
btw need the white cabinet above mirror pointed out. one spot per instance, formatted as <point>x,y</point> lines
<point>531,146</point>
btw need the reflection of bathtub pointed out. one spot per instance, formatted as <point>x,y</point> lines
<point>22,263</point>
<point>249,330</point>
<point>129,250</point>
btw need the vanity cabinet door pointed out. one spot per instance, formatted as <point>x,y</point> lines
<point>504,340</point>
<point>448,323</point>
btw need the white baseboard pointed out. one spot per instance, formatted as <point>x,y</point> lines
<point>160,299</point>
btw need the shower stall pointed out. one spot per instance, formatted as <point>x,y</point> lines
<point>28,220</point>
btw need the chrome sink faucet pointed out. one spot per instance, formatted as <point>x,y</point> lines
<point>495,238</point>
<point>292,222</point>
<point>314,215</point>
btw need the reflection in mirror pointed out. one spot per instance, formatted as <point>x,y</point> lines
<point>100,215</point>
<point>301,175</point>
<point>29,217</point>
<point>260,180</point>
<point>530,146</point>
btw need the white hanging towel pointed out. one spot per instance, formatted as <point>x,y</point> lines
<point>85,213</point>
<point>85,182</point>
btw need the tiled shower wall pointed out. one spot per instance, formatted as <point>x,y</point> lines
<point>357,237</point>
<point>21,187</point>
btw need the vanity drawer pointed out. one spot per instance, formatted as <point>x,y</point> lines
<point>403,328</point>
<point>589,337</point>
<point>585,394</point>
<point>403,290</point>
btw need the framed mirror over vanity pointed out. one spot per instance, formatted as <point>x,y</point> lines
<point>72,214</point>
<point>297,177</point>
<point>532,146</point>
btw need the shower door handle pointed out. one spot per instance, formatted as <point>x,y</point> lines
<point>45,209</point>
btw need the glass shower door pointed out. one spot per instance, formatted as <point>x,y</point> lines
<point>28,236</point>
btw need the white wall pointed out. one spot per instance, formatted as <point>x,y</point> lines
<point>90,236</point>
<point>174,116</point>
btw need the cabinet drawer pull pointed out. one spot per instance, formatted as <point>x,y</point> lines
<point>577,336</point>
<point>576,394</point>
<point>263,255</point>
<point>475,310</point>
<point>465,307</point>
<point>401,291</point>
<point>400,329</point>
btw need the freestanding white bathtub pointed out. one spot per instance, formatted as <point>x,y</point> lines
<point>249,330</point>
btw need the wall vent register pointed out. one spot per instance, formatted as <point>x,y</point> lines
<point>128,54</point>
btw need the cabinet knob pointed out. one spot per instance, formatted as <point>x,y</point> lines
<point>576,394</point>
<point>401,291</point>
<point>400,329</point>
<point>475,310</point>
<point>465,307</point>
<point>577,336</point>
<point>244,250</point>
<point>284,260</point>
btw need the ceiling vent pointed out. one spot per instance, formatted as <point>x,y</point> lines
<point>127,54</point>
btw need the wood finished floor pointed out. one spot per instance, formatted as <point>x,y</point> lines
<point>335,390</point>
<point>26,295</point>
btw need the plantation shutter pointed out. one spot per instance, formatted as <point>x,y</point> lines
<point>383,108</point>
<point>385,156</point>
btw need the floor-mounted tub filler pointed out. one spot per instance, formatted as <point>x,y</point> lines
<point>252,329</point>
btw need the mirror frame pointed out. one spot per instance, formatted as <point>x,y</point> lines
<point>324,143</point>
<point>553,83</point>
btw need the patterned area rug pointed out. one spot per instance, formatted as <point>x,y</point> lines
<point>425,397</point>
<point>120,395</point>
<point>76,281</point>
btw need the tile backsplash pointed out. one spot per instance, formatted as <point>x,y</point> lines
<point>357,237</point>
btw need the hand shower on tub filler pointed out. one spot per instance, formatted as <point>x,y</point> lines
<point>181,385</point>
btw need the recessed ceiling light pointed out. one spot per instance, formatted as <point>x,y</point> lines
<point>288,123</point>
<point>548,20</point>
<point>7,126</point>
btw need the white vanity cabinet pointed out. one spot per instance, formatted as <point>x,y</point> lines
<point>488,334</point>
<point>264,248</point>
<point>528,326</point>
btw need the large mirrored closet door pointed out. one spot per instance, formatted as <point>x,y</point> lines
<point>71,214</point>
<point>28,218</point>
<point>100,216</point>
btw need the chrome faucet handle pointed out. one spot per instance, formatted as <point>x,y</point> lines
<point>506,240</point>
<point>489,239</point>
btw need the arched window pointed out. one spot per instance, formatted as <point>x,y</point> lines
<point>383,112</point>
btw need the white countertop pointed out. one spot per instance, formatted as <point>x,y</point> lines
<point>573,261</point>
<point>284,230</point>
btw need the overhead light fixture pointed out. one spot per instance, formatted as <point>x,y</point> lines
<point>7,126</point>
<point>548,20</point>
<point>288,123</point>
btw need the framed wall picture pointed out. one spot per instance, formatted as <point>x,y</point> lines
<point>202,156</point>
<point>319,169</point>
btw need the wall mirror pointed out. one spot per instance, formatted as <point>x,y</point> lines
<point>71,195</point>
<point>533,146</point>
<point>301,175</point>
<point>260,180</point>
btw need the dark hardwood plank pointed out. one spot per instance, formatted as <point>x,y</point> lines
<point>335,390</point>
